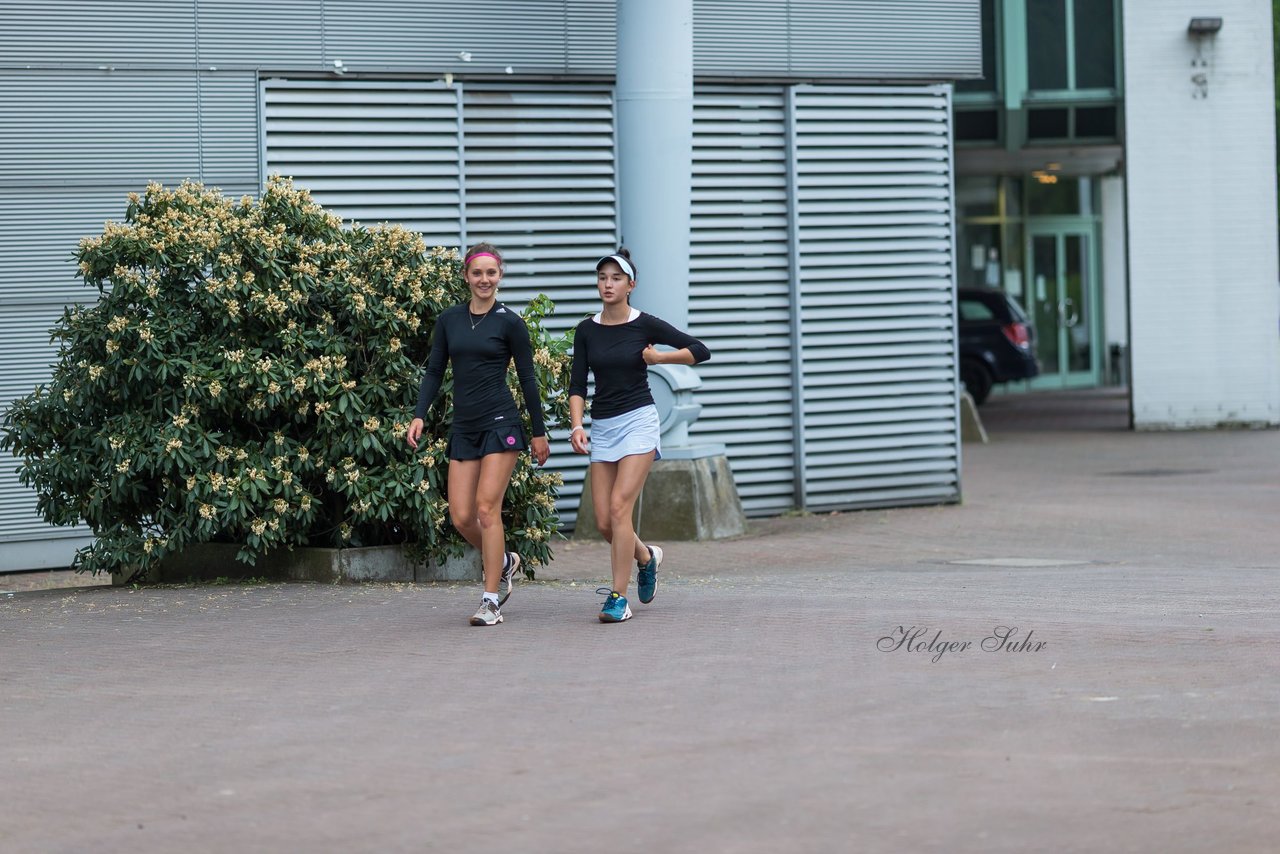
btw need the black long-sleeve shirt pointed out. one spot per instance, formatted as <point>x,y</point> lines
<point>613,354</point>
<point>480,353</point>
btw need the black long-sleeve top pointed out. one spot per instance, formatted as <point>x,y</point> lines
<point>480,353</point>
<point>613,354</point>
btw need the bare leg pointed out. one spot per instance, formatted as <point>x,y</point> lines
<point>625,545</point>
<point>495,475</point>
<point>464,476</point>
<point>476,489</point>
<point>603,477</point>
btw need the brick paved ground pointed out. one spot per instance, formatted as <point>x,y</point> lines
<point>752,708</point>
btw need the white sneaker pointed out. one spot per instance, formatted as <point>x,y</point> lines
<point>488,615</point>
<point>510,570</point>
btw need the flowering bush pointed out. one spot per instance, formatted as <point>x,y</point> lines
<point>248,375</point>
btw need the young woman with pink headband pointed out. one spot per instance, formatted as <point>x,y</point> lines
<point>617,346</point>
<point>480,338</point>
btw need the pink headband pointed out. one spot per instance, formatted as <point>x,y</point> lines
<point>470,258</point>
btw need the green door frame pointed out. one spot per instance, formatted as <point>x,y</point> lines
<point>1060,228</point>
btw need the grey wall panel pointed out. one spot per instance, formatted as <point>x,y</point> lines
<point>262,33</point>
<point>39,231</point>
<point>528,35</point>
<point>229,142</point>
<point>592,36</point>
<point>866,39</point>
<point>859,39</point>
<point>928,39</point>
<point>874,207</point>
<point>745,36</point>
<point>56,33</point>
<point>121,128</point>
<point>738,289</point>
<point>27,356</point>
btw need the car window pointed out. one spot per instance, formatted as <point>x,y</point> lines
<point>975,310</point>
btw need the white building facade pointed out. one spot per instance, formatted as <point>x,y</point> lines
<point>1204,287</point>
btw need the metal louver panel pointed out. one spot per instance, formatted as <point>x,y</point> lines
<point>371,151</point>
<point>540,184</point>
<point>873,192</point>
<point>539,177</point>
<point>739,297</point>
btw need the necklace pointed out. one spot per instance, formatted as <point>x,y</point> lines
<point>471,315</point>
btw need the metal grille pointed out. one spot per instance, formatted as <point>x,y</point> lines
<point>540,184</point>
<point>873,194</point>
<point>370,151</point>
<point>739,301</point>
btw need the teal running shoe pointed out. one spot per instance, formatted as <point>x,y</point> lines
<point>615,608</point>
<point>647,577</point>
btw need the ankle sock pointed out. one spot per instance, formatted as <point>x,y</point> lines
<point>492,597</point>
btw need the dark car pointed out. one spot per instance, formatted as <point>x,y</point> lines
<point>997,341</point>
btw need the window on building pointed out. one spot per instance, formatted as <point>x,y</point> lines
<point>990,70</point>
<point>1047,38</point>
<point>1071,45</point>
<point>977,125</point>
<point>1095,45</point>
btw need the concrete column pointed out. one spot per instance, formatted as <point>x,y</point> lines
<point>655,149</point>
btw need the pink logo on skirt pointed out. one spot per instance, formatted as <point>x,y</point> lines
<point>511,440</point>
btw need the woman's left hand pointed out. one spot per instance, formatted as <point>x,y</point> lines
<point>541,449</point>
<point>652,355</point>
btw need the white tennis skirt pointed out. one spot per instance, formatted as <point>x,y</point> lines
<point>634,432</point>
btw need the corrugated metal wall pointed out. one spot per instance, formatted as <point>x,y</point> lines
<point>863,39</point>
<point>97,99</point>
<point>72,145</point>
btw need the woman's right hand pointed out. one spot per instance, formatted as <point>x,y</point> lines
<point>579,440</point>
<point>415,431</point>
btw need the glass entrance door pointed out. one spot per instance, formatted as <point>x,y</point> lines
<point>1063,300</point>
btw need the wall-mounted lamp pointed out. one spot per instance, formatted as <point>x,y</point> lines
<point>1204,26</point>
<point>1200,29</point>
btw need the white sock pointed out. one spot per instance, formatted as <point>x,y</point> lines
<point>492,597</point>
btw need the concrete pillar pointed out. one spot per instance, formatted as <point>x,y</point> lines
<point>690,494</point>
<point>655,150</point>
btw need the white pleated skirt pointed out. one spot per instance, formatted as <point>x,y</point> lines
<point>634,432</point>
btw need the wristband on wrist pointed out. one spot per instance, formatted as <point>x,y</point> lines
<point>576,428</point>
